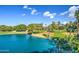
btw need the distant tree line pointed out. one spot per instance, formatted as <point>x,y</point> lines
<point>71,26</point>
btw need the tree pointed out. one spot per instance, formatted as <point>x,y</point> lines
<point>58,24</point>
<point>35,27</point>
<point>9,28</point>
<point>71,26</point>
<point>54,26</point>
<point>20,27</point>
<point>3,27</point>
<point>77,18</point>
<point>6,28</point>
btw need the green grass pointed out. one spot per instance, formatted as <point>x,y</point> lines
<point>2,33</point>
<point>58,33</point>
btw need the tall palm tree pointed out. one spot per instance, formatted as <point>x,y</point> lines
<point>77,18</point>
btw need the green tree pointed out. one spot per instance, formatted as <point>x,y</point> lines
<point>6,28</point>
<point>3,27</point>
<point>54,26</point>
<point>35,27</point>
<point>71,27</point>
<point>77,18</point>
<point>20,27</point>
<point>9,28</point>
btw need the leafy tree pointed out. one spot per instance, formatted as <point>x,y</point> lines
<point>6,28</point>
<point>71,27</point>
<point>55,26</point>
<point>35,27</point>
<point>9,28</point>
<point>3,27</point>
<point>20,27</point>
<point>77,18</point>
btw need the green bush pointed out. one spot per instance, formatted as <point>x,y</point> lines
<point>37,31</point>
<point>45,35</point>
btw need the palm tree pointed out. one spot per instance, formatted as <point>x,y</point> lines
<point>77,17</point>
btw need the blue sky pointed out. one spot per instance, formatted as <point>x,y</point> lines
<point>26,14</point>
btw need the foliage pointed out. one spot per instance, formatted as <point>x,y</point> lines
<point>77,15</point>
<point>6,28</point>
<point>44,35</point>
<point>20,27</point>
<point>71,26</point>
<point>36,28</point>
<point>77,18</point>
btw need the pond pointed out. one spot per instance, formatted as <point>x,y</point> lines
<point>22,43</point>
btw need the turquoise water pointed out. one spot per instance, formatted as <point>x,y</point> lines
<point>23,43</point>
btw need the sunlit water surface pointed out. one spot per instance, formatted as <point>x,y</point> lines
<point>22,43</point>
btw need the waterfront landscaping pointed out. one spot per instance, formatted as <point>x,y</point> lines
<point>66,41</point>
<point>33,32</point>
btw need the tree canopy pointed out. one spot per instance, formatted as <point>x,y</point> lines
<point>20,27</point>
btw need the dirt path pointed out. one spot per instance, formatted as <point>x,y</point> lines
<point>41,34</point>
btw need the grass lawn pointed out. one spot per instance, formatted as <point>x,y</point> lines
<point>2,33</point>
<point>59,33</point>
<point>62,34</point>
<point>56,33</point>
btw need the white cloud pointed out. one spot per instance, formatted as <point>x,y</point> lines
<point>72,8</point>
<point>64,13</point>
<point>30,8</point>
<point>34,11</point>
<point>70,11</point>
<point>48,14</point>
<point>25,6</point>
